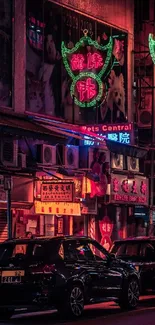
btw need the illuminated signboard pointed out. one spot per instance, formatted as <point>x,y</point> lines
<point>116,132</point>
<point>58,208</point>
<point>57,191</point>
<point>133,191</point>
<point>86,64</point>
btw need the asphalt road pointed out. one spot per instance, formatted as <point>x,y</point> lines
<point>107,313</point>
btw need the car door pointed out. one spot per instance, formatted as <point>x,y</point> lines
<point>110,279</point>
<point>147,268</point>
<point>79,265</point>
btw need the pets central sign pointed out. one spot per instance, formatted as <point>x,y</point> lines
<point>86,63</point>
<point>122,132</point>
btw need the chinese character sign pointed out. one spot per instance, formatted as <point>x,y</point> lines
<point>73,59</point>
<point>106,228</point>
<point>134,191</point>
<point>86,63</point>
<point>58,208</point>
<point>58,192</point>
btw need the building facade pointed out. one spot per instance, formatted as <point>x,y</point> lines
<point>72,66</point>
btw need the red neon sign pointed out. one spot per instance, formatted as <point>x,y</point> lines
<point>87,89</point>
<point>143,188</point>
<point>89,62</point>
<point>125,186</point>
<point>115,185</point>
<point>108,128</point>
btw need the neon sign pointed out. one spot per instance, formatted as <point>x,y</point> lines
<point>152,47</point>
<point>86,69</point>
<point>116,132</point>
<point>92,61</point>
<point>87,89</point>
<point>129,190</point>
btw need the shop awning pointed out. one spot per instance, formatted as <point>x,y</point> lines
<point>126,150</point>
<point>69,130</point>
<point>11,124</point>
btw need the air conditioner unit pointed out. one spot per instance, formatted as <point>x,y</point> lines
<point>71,157</point>
<point>9,152</point>
<point>46,154</point>
<point>144,118</point>
<point>117,161</point>
<point>22,160</point>
<point>133,164</point>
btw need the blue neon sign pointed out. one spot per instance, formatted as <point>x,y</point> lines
<point>120,137</point>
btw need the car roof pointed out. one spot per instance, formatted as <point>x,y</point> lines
<point>135,239</point>
<point>45,239</point>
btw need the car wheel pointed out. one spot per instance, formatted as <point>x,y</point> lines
<point>74,305</point>
<point>130,296</point>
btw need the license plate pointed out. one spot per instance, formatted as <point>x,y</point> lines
<point>12,276</point>
<point>11,279</point>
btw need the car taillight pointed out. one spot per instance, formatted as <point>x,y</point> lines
<point>49,268</point>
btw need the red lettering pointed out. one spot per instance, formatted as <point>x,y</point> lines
<point>77,62</point>
<point>86,89</point>
<point>115,185</point>
<point>134,188</point>
<point>94,61</point>
<point>50,209</point>
<point>125,186</point>
<point>91,61</point>
<point>143,188</point>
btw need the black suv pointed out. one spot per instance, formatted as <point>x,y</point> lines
<point>140,251</point>
<point>64,273</point>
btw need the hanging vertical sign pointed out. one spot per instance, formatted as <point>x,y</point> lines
<point>152,47</point>
<point>86,63</point>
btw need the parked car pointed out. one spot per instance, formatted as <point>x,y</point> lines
<point>63,272</point>
<point>140,251</point>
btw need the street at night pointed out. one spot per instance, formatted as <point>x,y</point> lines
<point>107,313</point>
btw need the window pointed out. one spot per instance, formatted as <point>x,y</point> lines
<point>20,249</point>
<point>118,249</point>
<point>147,251</point>
<point>8,251</point>
<point>5,252</point>
<point>78,251</point>
<point>61,251</point>
<point>6,52</point>
<point>38,251</point>
<point>98,251</point>
<point>132,249</point>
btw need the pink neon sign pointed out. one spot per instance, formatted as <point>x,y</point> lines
<point>90,61</point>
<point>87,89</point>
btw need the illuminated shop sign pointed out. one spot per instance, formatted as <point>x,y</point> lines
<point>58,208</point>
<point>131,191</point>
<point>57,191</point>
<point>86,64</point>
<point>116,132</point>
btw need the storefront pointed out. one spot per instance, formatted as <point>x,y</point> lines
<point>119,219</point>
<point>58,205</point>
<point>128,192</point>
